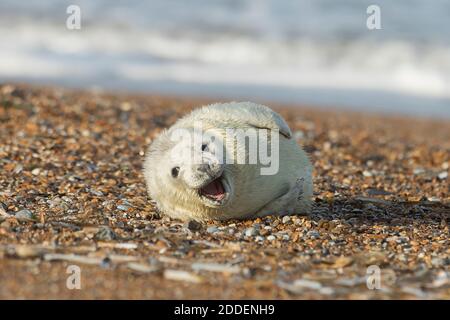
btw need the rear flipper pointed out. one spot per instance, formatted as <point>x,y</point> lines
<point>295,200</point>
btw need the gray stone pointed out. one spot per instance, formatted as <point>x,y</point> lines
<point>286,219</point>
<point>313,234</point>
<point>194,225</point>
<point>24,215</point>
<point>105,233</point>
<point>123,207</point>
<point>212,229</point>
<point>259,238</point>
<point>443,175</point>
<point>251,232</point>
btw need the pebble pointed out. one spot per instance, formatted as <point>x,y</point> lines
<point>5,223</point>
<point>367,173</point>
<point>35,171</point>
<point>378,192</point>
<point>438,262</point>
<point>259,239</point>
<point>390,239</point>
<point>194,225</point>
<point>440,280</point>
<point>120,245</point>
<point>414,291</point>
<point>271,238</point>
<point>3,211</point>
<point>123,207</point>
<point>327,146</point>
<point>105,234</point>
<point>248,272</point>
<point>251,232</point>
<point>24,215</point>
<point>73,258</point>
<point>298,286</point>
<point>180,275</point>
<point>143,268</point>
<point>28,251</point>
<point>121,258</point>
<point>351,282</point>
<point>326,291</point>
<point>266,268</point>
<point>18,169</point>
<point>215,267</point>
<point>212,229</point>
<point>97,193</point>
<point>286,219</point>
<point>106,263</point>
<point>309,284</point>
<point>443,175</point>
<point>58,203</point>
<point>313,234</point>
<point>298,135</point>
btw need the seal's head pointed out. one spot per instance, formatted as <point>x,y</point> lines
<point>183,168</point>
<point>214,163</point>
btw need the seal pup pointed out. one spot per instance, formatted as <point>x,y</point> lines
<point>203,167</point>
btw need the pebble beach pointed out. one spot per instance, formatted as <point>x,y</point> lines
<point>72,192</point>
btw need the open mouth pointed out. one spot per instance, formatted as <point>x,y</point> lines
<point>214,191</point>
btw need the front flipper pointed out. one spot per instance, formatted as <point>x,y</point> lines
<point>239,114</point>
<point>262,117</point>
<point>286,203</point>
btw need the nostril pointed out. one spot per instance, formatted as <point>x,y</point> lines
<point>203,167</point>
<point>175,171</point>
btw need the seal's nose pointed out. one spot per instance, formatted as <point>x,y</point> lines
<point>204,167</point>
<point>211,169</point>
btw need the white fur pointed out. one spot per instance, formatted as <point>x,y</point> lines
<point>251,194</point>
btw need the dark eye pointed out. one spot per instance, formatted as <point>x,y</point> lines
<point>175,171</point>
<point>204,147</point>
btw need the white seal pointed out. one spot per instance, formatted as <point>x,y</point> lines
<point>225,161</point>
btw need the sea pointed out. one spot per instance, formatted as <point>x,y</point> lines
<point>319,53</point>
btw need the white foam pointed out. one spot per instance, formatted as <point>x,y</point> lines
<point>140,55</point>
